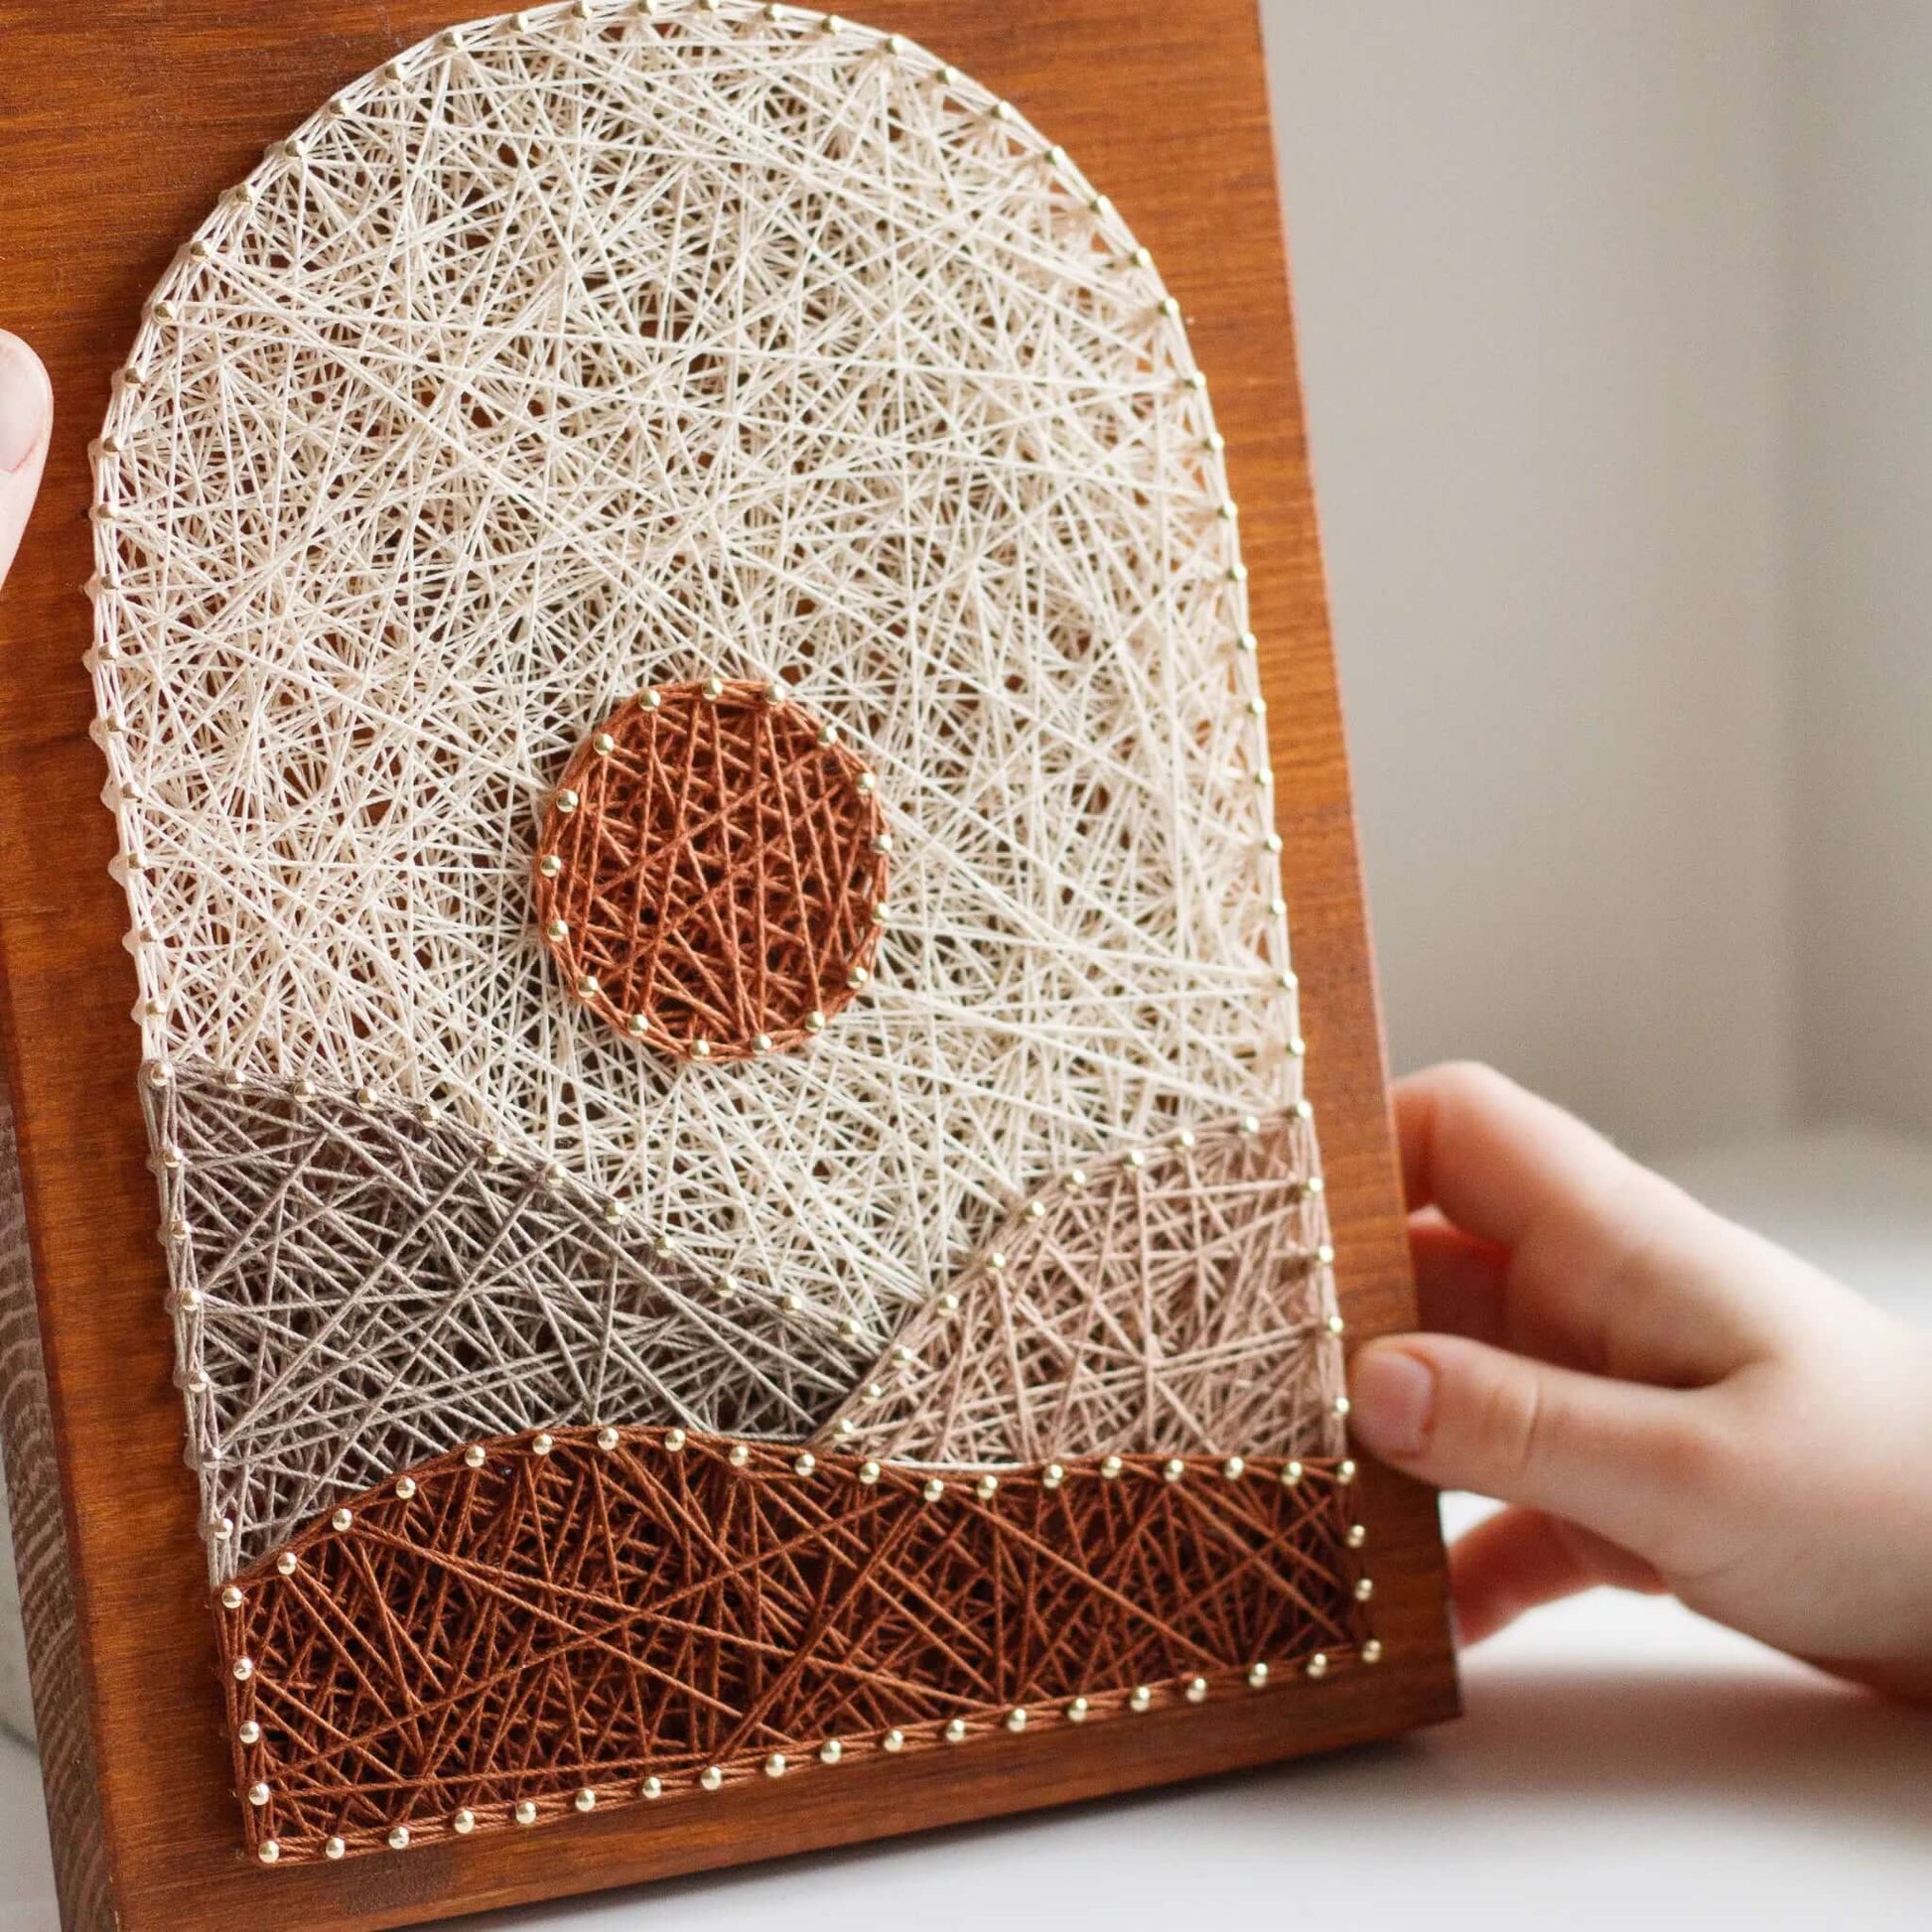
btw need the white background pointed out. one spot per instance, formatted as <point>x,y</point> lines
<point>1614,317</point>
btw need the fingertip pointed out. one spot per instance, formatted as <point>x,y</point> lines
<point>1505,1164</point>
<point>1519,1560</point>
<point>1478,1611</point>
<point>25,418</point>
<point>1501,1566</point>
<point>1619,1459</point>
<point>26,403</point>
<point>1421,1100</point>
<point>1494,1571</point>
<point>1392,1398</point>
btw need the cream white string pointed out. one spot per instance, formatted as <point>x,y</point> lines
<point>609,346</point>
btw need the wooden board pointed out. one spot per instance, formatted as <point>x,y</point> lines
<point>123,123</point>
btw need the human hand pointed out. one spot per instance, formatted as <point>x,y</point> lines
<point>1666,1401</point>
<point>26,415</point>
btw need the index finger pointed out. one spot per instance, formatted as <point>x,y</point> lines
<point>1610,1267</point>
<point>26,413</point>
<point>1497,1160</point>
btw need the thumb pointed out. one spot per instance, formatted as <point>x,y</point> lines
<point>26,415</point>
<point>1618,1458</point>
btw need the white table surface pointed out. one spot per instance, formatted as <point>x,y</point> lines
<point>1622,1763</point>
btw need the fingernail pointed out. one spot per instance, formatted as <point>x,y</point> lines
<point>1392,1396</point>
<point>24,403</point>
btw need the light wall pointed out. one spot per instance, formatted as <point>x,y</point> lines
<point>1861,173</point>
<point>1537,249</point>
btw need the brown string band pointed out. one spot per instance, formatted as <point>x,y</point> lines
<point>711,873</point>
<point>566,1622</point>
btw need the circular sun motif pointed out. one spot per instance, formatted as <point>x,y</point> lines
<point>710,876</point>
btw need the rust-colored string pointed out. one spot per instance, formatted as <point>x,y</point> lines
<point>584,1619</point>
<point>710,876</point>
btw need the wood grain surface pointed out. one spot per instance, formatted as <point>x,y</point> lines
<point>119,124</point>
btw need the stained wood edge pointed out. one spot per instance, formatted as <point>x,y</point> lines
<point>57,1659</point>
<point>768,1822</point>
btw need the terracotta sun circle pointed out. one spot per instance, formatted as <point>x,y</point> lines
<point>711,872</point>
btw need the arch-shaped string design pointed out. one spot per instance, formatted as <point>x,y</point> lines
<point>602,348</point>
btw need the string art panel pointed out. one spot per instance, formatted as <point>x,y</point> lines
<point>720,1046</point>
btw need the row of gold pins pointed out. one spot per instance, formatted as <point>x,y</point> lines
<point>985,1486</point>
<point>1017,1718</point>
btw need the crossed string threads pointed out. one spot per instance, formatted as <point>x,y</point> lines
<point>597,352</point>
<point>1173,1296</point>
<point>579,1620</point>
<point>361,1285</point>
<point>1174,1301</point>
<point>611,350</point>
<point>711,873</point>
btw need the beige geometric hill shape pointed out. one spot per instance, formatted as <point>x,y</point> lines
<point>1171,1299</point>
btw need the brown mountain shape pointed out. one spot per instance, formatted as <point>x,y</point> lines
<point>550,1624</point>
